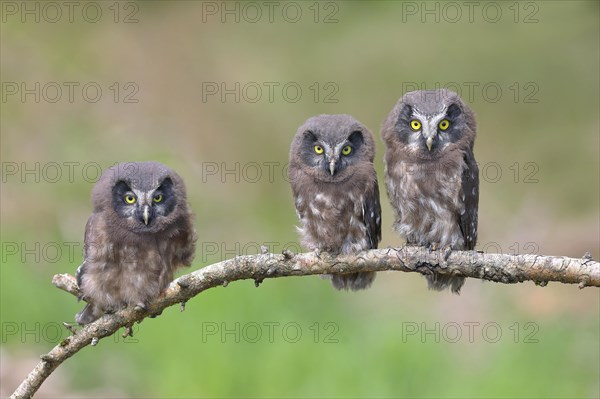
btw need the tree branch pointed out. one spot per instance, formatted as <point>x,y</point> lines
<point>501,268</point>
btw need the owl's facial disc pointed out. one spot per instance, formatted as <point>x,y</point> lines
<point>430,131</point>
<point>331,159</point>
<point>142,208</point>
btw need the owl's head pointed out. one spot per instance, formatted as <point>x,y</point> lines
<point>428,123</point>
<point>144,197</point>
<point>329,147</point>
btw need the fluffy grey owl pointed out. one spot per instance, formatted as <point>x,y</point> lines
<point>431,175</point>
<point>141,230</point>
<point>335,190</point>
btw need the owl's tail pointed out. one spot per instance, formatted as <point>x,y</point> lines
<point>353,281</point>
<point>440,282</point>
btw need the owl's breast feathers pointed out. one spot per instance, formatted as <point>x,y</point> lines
<point>429,200</point>
<point>127,268</point>
<point>340,217</point>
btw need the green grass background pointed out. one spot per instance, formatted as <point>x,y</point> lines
<point>372,52</point>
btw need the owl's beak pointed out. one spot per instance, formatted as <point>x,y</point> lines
<point>332,166</point>
<point>429,143</point>
<point>146,214</point>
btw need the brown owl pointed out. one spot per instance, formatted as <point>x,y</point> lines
<point>335,190</point>
<point>431,175</point>
<point>140,231</point>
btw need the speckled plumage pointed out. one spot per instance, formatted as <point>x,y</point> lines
<point>129,257</point>
<point>433,185</point>
<point>338,206</point>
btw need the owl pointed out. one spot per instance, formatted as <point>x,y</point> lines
<point>335,190</point>
<point>140,231</point>
<point>431,175</point>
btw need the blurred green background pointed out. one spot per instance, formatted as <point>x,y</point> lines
<point>528,69</point>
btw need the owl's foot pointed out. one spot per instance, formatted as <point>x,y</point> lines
<point>287,254</point>
<point>113,309</point>
<point>425,269</point>
<point>447,251</point>
<point>140,307</point>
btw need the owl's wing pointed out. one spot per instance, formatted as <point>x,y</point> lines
<point>372,216</point>
<point>187,243</point>
<point>470,191</point>
<point>88,241</point>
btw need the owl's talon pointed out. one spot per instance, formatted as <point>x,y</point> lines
<point>140,307</point>
<point>112,310</point>
<point>447,253</point>
<point>425,269</point>
<point>587,257</point>
<point>182,282</point>
<point>154,315</point>
<point>431,248</point>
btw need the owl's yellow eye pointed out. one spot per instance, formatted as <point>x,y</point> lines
<point>346,150</point>
<point>415,125</point>
<point>318,149</point>
<point>157,198</point>
<point>444,124</point>
<point>130,199</point>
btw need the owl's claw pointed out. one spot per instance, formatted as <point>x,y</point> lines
<point>140,307</point>
<point>111,310</point>
<point>447,252</point>
<point>425,269</point>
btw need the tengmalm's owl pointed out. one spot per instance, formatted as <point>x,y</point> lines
<point>335,190</point>
<point>431,175</point>
<point>140,231</point>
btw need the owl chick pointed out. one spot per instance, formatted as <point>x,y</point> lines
<point>140,231</point>
<point>431,175</point>
<point>335,190</point>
